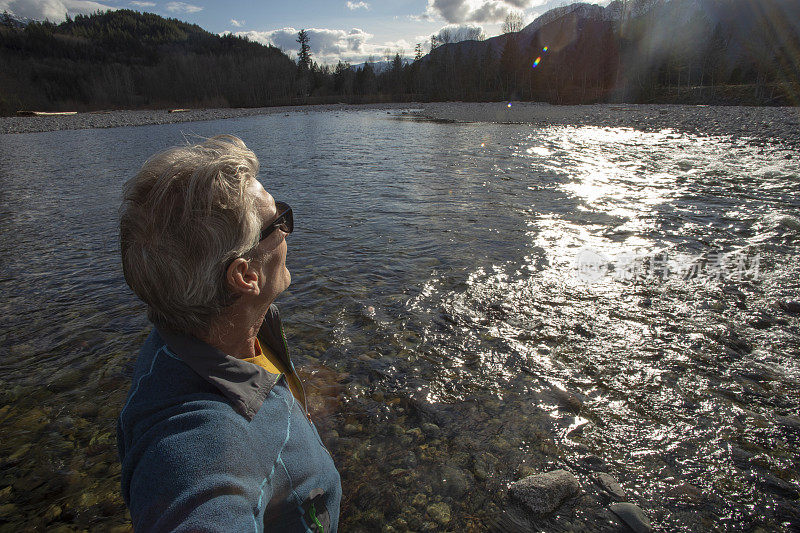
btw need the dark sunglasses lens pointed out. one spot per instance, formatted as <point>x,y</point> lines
<point>286,220</point>
<point>289,221</point>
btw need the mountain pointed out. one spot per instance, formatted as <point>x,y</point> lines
<point>10,20</point>
<point>629,49</point>
<point>380,66</point>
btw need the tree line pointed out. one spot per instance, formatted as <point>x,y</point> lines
<point>127,59</point>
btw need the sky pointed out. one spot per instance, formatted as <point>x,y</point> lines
<point>347,30</point>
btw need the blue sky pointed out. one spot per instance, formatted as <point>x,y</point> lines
<point>350,30</point>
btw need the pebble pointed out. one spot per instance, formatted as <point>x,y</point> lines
<point>632,516</point>
<point>7,509</point>
<point>419,500</point>
<point>430,429</point>
<point>686,492</point>
<point>454,482</point>
<point>568,400</point>
<point>484,466</point>
<point>440,512</point>
<point>593,461</point>
<point>416,433</point>
<point>544,493</point>
<point>610,485</point>
<point>741,458</point>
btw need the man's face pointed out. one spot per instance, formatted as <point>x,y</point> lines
<point>276,277</point>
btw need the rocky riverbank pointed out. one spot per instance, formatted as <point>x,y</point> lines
<point>759,125</point>
<point>143,117</point>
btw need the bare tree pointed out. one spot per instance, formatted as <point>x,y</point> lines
<point>513,22</point>
<point>471,33</point>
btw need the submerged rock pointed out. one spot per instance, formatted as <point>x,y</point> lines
<point>610,484</point>
<point>686,492</point>
<point>453,481</point>
<point>484,466</point>
<point>544,493</point>
<point>430,429</point>
<point>632,516</point>
<point>790,306</point>
<point>419,500</point>
<point>778,486</point>
<point>440,512</point>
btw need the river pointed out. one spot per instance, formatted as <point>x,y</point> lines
<point>470,304</point>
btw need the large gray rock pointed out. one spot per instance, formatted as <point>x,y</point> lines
<point>632,516</point>
<point>543,493</point>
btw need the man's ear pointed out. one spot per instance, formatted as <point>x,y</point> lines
<point>242,278</point>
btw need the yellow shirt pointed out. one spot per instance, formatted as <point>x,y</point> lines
<point>270,362</point>
<point>265,359</point>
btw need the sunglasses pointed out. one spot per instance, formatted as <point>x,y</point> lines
<point>284,222</point>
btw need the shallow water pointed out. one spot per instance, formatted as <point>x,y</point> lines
<point>448,341</point>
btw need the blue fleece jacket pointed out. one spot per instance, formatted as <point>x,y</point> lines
<point>211,443</point>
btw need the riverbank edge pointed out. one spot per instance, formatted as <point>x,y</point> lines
<point>758,125</point>
<point>146,117</point>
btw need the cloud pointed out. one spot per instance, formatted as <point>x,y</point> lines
<point>52,10</point>
<point>479,11</point>
<point>328,46</point>
<point>143,4</point>
<point>182,7</point>
<point>237,23</point>
<point>357,5</point>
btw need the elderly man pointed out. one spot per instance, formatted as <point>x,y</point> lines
<point>215,434</point>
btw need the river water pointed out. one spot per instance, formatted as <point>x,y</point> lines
<point>470,304</point>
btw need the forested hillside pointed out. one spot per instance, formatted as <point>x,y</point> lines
<point>126,59</point>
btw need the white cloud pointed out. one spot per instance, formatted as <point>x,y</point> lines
<point>357,5</point>
<point>237,23</point>
<point>479,11</point>
<point>182,7</point>
<point>52,10</point>
<point>329,46</point>
<point>143,4</point>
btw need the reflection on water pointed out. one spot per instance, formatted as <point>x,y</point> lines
<point>448,345</point>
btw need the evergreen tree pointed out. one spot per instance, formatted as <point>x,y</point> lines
<point>304,56</point>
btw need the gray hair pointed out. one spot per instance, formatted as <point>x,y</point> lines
<point>184,217</point>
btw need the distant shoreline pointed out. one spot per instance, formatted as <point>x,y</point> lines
<point>145,117</point>
<point>759,125</point>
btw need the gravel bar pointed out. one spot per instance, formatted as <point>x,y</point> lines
<point>116,119</point>
<point>759,125</point>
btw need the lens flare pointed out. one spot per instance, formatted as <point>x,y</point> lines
<point>537,61</point>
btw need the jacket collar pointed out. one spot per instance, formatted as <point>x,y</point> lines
<point>244,384</point>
